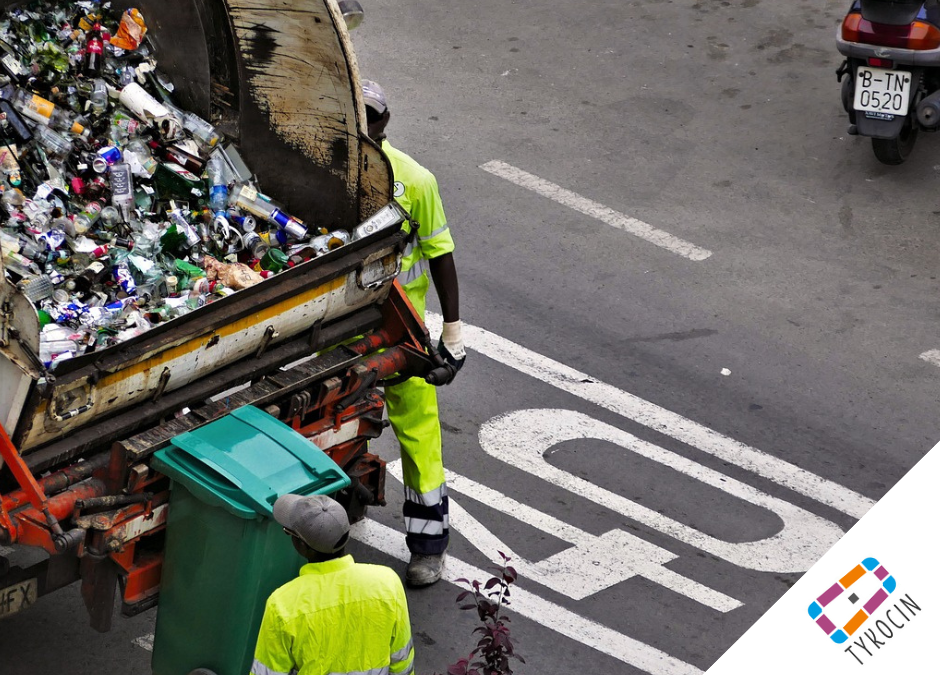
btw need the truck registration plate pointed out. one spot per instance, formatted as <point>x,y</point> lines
<point>18,596</point>
<point>879,90</point>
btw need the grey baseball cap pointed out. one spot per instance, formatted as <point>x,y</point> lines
<point>320,521</point>
<point>374,96</point>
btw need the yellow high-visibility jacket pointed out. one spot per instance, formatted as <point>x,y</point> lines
<point>417,191</point>
<point>338,617</point>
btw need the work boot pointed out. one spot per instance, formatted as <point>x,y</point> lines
<point>424,570</point>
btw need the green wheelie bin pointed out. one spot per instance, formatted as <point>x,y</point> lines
<point>224,553</point>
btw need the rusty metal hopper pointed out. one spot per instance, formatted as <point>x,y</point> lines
<point>280,78</point>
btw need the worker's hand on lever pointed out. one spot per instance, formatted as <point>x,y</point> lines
<point>451,345</point>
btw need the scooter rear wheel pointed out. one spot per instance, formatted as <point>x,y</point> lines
<point>896,150</point>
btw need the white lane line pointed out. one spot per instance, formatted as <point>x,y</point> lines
<point>659,419</point>
<point>144,642</point>
<point>596,210</point>
<point>932,356</point>
<point>578,628</point>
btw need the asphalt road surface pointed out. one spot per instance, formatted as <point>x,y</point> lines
<point>700,311</point>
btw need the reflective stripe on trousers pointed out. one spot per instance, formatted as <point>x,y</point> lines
<point>427,522</point>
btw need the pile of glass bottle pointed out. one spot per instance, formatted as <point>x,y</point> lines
<point>120,210</point>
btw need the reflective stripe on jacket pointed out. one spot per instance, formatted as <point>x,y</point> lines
<point>337,617</point>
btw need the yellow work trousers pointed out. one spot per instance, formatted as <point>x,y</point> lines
<point>413,414</point>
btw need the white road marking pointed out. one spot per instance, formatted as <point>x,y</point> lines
<point>932,356</point>
<point>144,642</point>
<point>659,419</point>
<point>578,628</point>
<point>523,439</point>
<point>596,210</point>
<point>593,564</point>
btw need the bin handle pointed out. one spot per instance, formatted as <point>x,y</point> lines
<point>209,456</point>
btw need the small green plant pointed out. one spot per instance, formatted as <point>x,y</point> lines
<point>494,650</point>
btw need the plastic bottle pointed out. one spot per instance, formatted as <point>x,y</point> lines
<point>218,188</point>
<point>200,129</point>
<point>45,112</point>
<point>24,245</point>
<point>16,262</point>
<point>94,52</point>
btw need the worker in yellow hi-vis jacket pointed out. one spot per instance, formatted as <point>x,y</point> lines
<point>412,405</point>
<point>338,616</point>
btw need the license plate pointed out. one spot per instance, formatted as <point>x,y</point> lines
<point>879,90</point>
<point>18,596</point>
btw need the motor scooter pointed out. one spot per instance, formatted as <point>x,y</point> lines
<point>891,75</point>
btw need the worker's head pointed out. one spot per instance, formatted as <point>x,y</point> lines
<point>318,526</point>
<point>377,114</point>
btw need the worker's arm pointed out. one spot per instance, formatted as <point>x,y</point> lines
<point>272,652</point>
<point>401,659</point>
<point>437,247</point>
<point>444,274</point>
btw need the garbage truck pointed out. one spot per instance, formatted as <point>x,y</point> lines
<point>311,346</point>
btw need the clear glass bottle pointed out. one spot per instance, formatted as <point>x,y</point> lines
<point>52,142</point>
<point>88,217</point>
<point>45,112</point>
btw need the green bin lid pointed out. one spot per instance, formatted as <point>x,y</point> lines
<point>245,461</point>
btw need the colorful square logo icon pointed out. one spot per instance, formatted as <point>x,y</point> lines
<point>870,571</point>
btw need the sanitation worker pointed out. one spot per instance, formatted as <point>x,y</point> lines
<point>412,405</point>
<point>338,616</point>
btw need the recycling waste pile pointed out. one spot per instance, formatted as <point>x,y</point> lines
<point>121,210</point>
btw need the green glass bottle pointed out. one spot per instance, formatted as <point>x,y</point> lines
<point>274,260</point>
